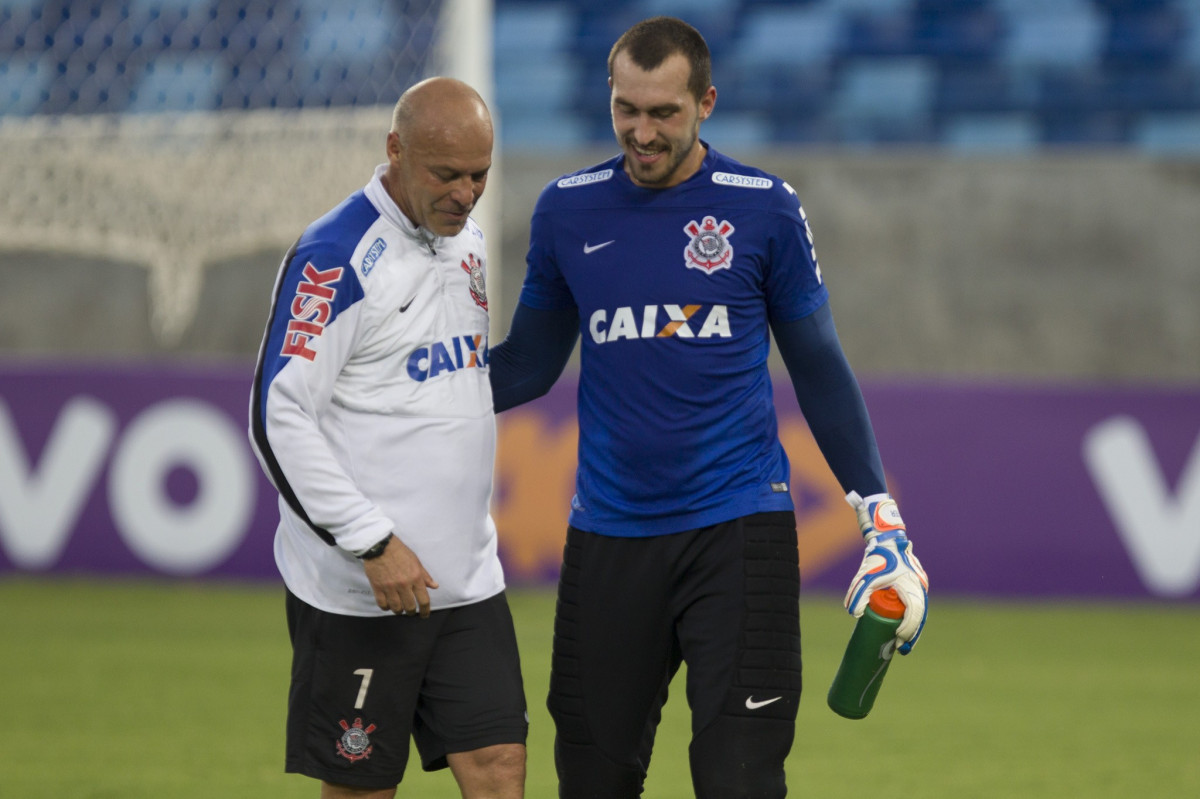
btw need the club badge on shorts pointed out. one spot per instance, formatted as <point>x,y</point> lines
<point>355,743</point>
<point>478,289</point>
<point>709,249</point>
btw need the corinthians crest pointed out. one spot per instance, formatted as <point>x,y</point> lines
<point>478,289</point>
<point>355,743</point>
<point>709,248</point>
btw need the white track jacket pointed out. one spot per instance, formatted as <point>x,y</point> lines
<point>371,410</point>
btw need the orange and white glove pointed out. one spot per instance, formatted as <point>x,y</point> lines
<point>888,562</point>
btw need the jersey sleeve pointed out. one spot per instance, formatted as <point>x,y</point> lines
<point>310,337</point>
<point>794,285</point>
<point>531,357</point>
<point>544,287</point>
<point>831,400</point>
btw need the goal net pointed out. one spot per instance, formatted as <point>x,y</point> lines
<point>172,133</point>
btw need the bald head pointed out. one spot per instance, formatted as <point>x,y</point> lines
<point>438,105</point>
<point>439,152</point>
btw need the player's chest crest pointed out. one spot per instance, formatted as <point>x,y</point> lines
<point>708,248</point>
<point>478,287</point>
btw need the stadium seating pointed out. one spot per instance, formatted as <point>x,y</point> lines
<point>969,74</point>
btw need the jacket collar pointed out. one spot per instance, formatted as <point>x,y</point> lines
<point>379,197</point>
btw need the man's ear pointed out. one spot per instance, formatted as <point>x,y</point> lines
<point>707,102</point>
<point>394,149</point>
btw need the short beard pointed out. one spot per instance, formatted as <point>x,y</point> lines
<point>674,159</point>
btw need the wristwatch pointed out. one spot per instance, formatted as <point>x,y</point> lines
<point>376,550</point>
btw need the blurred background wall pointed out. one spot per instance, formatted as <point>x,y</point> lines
<point>1012,186</point>
<point>1004,193</point>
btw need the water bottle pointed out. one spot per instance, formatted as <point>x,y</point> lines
<point>867,657</point>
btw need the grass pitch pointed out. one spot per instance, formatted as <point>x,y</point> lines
<point>130,690</point>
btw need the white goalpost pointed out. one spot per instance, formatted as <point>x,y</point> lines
<point>465,52</point>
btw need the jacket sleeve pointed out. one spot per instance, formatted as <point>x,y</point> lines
<point>311,335</point>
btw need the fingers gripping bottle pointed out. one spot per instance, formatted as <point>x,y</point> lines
<point>867,657</point>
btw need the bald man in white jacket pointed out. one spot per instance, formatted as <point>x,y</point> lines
<point>372,415</point>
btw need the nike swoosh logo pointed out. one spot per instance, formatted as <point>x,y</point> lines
<point>404,307</point>
<point>752,705</point>
<point>589,249</point>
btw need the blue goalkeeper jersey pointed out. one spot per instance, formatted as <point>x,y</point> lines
<point>675,290</point>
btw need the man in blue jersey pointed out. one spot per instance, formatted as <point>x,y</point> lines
<point>675,264</point>
<point>372,415</point>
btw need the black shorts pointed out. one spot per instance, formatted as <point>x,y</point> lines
<point>362,685</point>
<point>724,598</point>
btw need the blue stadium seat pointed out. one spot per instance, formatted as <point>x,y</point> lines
<point>1144,34</point>
<point>169,25</point>
<point>972,75</point>
<point>815,130</point>
<point>885,101</point>
<point>1054,33</point>
<point>535,77</point>
<point>1130,90</point>
<point>984,89</point>
<point>717,19</point>
<point>884,7</point>
<point>991,133</point>
<point>530,87</point>
<point>779,90</point>
<point>886,90</point>
<point>1168,134</point>
<point>359,52</point>
<point>593,6</point>
<point>172,83</point>
<point>541,131</point>
<point>84,45</point>
<point>23,83</point>
<point>591,95</point>
<point>735,130</point>
<point>1189,46</point>
<point>527,32</point>
<point>800,37</point>
<point>957,32</point>
<point>100,86</point>
<point>174,7</point>
<point>1013,8</point>
<point>1116,6</point>
<point>708,9</point>
<point>949,6</point>
<point>349,30</point>
<point>23,28</point>
<point>1102,127</point>
<point>879,33</point>
<point>239,37</point>
<point>599,27</point>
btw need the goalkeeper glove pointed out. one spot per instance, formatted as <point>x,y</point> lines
<point>889,562</point>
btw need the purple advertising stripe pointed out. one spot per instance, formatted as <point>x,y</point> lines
<point>39,400</point>
<point>1008,490</point>
<point>994,484</point>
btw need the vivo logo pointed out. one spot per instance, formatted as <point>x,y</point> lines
<point>1160,529</point>
<point>41,503</point>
